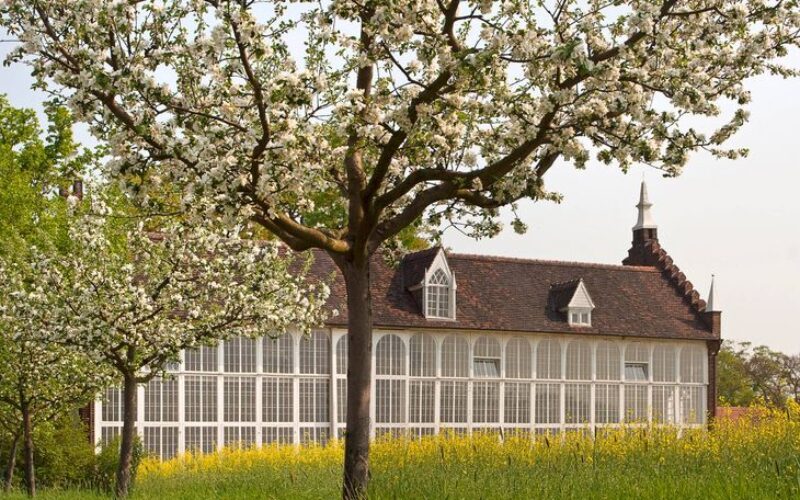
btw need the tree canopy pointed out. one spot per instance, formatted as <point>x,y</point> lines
<point>34,166</point>
<point>750,374</point>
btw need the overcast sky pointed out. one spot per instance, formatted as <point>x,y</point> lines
<point>737,219</point>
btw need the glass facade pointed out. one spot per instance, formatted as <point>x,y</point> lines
<point>293,389</point>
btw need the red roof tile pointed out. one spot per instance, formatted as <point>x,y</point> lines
<point>507,294</point>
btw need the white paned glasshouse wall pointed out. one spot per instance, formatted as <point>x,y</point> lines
<point>293,389</point>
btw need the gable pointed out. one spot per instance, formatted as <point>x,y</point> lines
<point>581,299</point>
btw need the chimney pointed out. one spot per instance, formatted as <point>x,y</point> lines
<point>645,234</point>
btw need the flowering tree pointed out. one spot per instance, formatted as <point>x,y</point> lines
<point>131,299</point>
<point>37,381</point>
<point>444,110</point>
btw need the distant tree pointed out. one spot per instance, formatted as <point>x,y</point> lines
<point>767,371</point>
<point>441,110</point>
<point>734,385</point>
<point>34,166</point>
<point>131,299</point>
<point>791,365</point>
<point>747,374</point>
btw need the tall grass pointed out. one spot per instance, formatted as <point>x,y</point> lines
<point>746,459</point>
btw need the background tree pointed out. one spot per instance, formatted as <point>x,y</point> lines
<point>444,110</point>
<point>34,166</point>
<point>131,299</point>
<point>36,384</point>
<point>734,385</point>
<point>768,373</point>
<point>748,374</point>
<point>39,381</point>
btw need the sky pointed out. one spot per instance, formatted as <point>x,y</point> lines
<point>738,220</point>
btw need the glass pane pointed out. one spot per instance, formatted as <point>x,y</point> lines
<point>486,368</point>
<point>637,372</point>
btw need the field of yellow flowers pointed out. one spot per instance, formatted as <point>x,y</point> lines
<point>745,459</point>
<point>754,458</point>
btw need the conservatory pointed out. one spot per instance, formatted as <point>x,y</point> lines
<point>292,389</point>
<point>462,344</point>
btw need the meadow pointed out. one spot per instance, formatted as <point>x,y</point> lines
<point>758,458</point>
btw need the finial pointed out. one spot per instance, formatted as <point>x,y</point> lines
<point>645,219</point>
<point>710,302</point>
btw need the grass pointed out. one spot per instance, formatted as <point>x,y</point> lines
<point>736,460</point>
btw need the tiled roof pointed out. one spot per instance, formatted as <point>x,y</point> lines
<point>561,293</point>
<point>507,294</point>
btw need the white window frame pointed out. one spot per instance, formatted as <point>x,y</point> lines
<point>524,402</point>
<point>439,265</point>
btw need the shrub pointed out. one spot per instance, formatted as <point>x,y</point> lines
<point>106,461</point>
<point>63,454</point>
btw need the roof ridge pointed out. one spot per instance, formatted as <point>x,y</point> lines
<point>522,260</point>
<point>421,253</point>
<point>565,284</point>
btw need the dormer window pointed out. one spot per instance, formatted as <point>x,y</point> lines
<point>572,299</point>
<point>438,295</point>
<point>439,289</point>
<point>433,283</point>
<point>580,318</point>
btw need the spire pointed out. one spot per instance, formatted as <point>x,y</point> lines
<point>710,307</point>
<point>645,220</point>
<point>645,234</point>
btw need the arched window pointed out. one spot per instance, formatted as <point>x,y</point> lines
<point>486,395</point>
<point>341,379</point>
<point>438,295</point>
<point>390,392</point>
<point>202,359</point>
<point>240,355</point>
<point>637,369</point>
<point>579,360</point>
<point>422,393</point>
<point>423,356</point>
<point>315,359</point>
<point>315,354</point>
<point>607,361</point>
<point>637,363</point>
<point>455,357</point>
<point>548,360</point>
<point>663,363</point>
<point>390,356</point>
<point>607,395</point>
<point>277,392</point>
<point>455,363</point>
<point>486,358</point>
<point>517,393</point>
<point>279,354</point>
<point>341,355</point>
<point>692,364</point>
<point>518,358</point>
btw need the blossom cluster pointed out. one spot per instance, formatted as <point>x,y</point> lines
<point>133,298</point>
<point>446,109</point>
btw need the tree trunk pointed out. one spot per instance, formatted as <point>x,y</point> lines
<point>27,432</point>
<point>8,478</point>
<point>124,468</point>
<point>359,375</point>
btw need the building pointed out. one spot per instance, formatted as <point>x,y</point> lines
<point>464,343</point>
